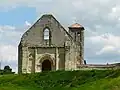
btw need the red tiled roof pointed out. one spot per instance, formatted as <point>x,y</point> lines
<point>76,25</point>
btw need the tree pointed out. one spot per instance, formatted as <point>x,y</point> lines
<point>7,69</point>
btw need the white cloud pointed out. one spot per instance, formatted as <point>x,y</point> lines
<point>8,53</point>
<point>103,48</point>
<point>106,49</point>
<point>8,48</point>
<point>107,39</point>
<point>115,13</point>
<point>6,27</point>
<point>101,19</point>
<point>7,5</point>
<point>9,38</point>
<point>27,24</point>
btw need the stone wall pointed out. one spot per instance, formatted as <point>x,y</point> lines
<point>32,58</point>
<point>63,51</point>
<point>24,59</point>
<point>34,36</point>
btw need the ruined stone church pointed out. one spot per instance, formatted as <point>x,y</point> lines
<point>47,46</point>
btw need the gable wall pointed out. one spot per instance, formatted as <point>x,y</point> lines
<point>34,36</point>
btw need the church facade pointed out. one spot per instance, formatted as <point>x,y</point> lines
<point>47,46</point>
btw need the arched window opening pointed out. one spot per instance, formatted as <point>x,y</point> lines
<point>46,34</point>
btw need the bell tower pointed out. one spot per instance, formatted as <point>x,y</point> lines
<point>77,32</point>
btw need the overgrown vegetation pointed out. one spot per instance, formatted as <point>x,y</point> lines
<point>63,80</point>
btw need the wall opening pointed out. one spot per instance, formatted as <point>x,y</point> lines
<point>46,65</point>
<point>47,36</point>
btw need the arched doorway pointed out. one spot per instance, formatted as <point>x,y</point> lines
<point>46,65</point>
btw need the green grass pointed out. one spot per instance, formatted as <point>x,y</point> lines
<point>63,80</point>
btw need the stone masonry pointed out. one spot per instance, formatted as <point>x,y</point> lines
<point>48,46</point>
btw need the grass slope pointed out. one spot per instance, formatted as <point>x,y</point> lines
<point>63,80</point>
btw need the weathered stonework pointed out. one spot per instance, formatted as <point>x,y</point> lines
<point>61,51</point>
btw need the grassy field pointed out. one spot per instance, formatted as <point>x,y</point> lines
<point>63,80</point>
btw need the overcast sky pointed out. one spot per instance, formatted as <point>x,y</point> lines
<point>101,19</point>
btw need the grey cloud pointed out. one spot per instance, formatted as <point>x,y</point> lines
<point>97,16</point>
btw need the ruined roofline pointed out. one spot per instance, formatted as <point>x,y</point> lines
<point>50,15</point>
